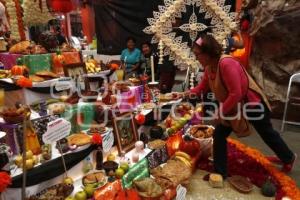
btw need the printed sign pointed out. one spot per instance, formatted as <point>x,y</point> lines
<point>63,84</point>
<point>57,130</point>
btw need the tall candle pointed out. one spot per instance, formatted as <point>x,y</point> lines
<point>152,68</point>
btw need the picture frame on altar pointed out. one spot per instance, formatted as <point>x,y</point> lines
<point>77,71</point>
<point>125,132</point>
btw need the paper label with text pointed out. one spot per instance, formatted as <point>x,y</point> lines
<point>57,130</point>
<point>63,84</point>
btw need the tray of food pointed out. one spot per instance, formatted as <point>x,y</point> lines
<point>57,192</point>
<point>241,184</point>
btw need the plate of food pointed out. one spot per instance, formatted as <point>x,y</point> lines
<point>147,106</point>
<point>79,139</point>
<point>96,179</point>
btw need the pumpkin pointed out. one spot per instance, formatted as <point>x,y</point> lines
<point>24,82</point>
<point>189,146</point>
<point>58,61</point>
<point>268,189</point>
<point>114,66</point>
<point>173,143</point>
<point>19,69</point>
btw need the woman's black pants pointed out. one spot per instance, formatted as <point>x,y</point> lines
<point>266,131</point>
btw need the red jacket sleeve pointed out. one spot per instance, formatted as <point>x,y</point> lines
<point>203,86</point>
<point>232,75</point>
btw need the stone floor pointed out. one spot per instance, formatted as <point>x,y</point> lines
<point>291,135</point>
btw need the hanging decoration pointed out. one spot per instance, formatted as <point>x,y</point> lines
<point>62,6</point>
<point>193,27</point>
<point>4,26</point>
<point>34,14</point>
<point>46,15</point>
<point>222,24</point>
<point>14,12</point>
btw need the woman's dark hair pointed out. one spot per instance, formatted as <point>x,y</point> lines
<point>209,46</point>
<point>147,43</point>
<point>131,39</point>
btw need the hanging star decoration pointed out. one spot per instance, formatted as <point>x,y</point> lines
<point>193,27</point>
<point>161,26</point>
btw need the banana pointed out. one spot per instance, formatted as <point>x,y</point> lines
<point>183,154</point>
<point>185,161</point>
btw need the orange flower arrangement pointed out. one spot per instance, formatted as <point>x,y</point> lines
<point>285,183</point>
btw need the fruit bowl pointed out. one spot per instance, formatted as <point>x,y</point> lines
<point>14,115</point>
<point>13,119</point>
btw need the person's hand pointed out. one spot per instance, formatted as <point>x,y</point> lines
<point>186,94</point>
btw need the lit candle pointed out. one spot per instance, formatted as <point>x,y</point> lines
<point>152,68</point>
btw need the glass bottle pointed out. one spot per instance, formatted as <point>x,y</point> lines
<point>99,158</point>
<point>87,165</point>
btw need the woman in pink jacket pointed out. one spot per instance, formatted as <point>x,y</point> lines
<point>237,93</point>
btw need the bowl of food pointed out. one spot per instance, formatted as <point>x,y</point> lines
<point>110,166</point>
<point>14,115</point>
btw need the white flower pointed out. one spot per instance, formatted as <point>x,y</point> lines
<point>193,27</point>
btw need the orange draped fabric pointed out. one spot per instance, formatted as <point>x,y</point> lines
<point>244,54</point>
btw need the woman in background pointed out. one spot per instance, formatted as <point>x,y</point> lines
<point>130,58</point>
<point>147,52</point>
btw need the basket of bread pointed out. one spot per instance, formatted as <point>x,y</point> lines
<point>204,135</point>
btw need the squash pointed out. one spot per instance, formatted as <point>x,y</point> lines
<point>58,61</point>
<point>268,189</point>
<point>19,69</point>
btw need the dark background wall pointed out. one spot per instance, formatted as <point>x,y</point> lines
<point>118,19</point>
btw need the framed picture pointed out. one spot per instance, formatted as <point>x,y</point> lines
<point>77,72</point>
<point>125,132</point>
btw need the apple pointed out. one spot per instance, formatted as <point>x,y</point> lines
<point>80,195</point>
<point>29,154</point>
<point>187,117</point>
<point>120,172</point>
<point>29,164</point>
<point>68,181</point>
<point>69,198</point>
<point>89,190</point>
<point>124,166</point>
<point>18,160</point>
<point>170,131</point>
<point>111,157</point>
<point>35,159</point>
